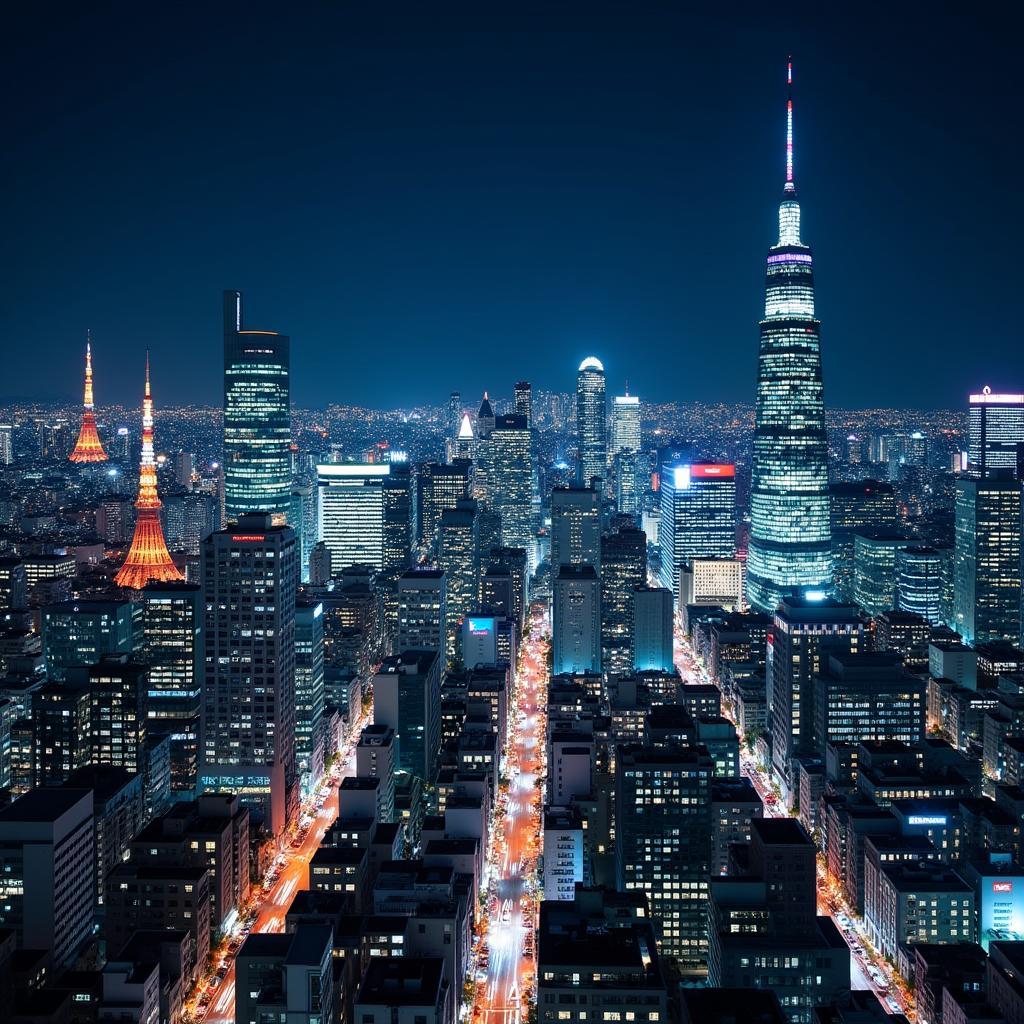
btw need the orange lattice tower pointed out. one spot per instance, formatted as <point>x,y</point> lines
<point>148,558</point>
<point>88,447</point>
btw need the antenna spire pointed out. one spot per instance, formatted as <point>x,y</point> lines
<point>790,185</point>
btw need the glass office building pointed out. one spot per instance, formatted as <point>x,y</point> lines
<point>995,431</point>
<point>790,541</point>
<point>257,418</point>
<point>591,421</point>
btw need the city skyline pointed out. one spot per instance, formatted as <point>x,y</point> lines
<point>422,679</point>
<point>450,281</point>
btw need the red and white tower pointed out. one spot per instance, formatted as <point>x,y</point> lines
<point>148,558</point>
<point>88,447</point>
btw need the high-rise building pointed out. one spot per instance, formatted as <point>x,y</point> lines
<point>652,630</point>
<point>625,424</point>
<point>763,929</point>
<point>790,543</point>
<point>13,584</point>
<point>575,527</point>
<point>440,486</point>
<point>302,519</point>
<point>148,557</point>
<point>855,506</point>
<point>47,871</point>
<point>190,518</point>
<point>122,450</point>
<point>463,444</point>
<point>88,447</point>
<point>398,519</point>
<point>485,418</point>
<point>454,413</point>
<point>350,513</point>
<point>173,648</point>
<point>874,569</point>
<point>623,569</point>
<point>859,697</point>
<point>61,741</point>
<point>591,417</point>
<point>250,575</point>
<point>995,430</point>
<point>458,556</point>
<point>663,842</point>
<point>920,579</point>
<point>987,559</point>
<point>524,401</point>
<point>309,690</point>
<point>115,520</point>
<point>805,631</point>
<point>257,417</point>
<point>698,516</point>
<point>6,444</point>
<point>407,697</point>
<point>512,479</point>
<point>576,625</point>
<point>118,712</point>
<point>320,565</point>
<point>421,610</point>
<point>77,634</point>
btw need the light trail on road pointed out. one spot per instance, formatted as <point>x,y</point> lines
<point>272,901</point>
<point>508,940</point>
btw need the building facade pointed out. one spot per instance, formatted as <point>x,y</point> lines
<point>790,537</point>
<point>257,417</point>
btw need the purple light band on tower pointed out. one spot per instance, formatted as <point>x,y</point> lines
<point>790,257</point>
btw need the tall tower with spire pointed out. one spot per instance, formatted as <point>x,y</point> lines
<point>148,558</point>
<point>88,447</point>
<point>790,533</point>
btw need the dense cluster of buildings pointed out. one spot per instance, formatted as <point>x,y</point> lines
<point>783,726</point>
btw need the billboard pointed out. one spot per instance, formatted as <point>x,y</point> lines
<point>1000,907</point>
<point>479,641</point>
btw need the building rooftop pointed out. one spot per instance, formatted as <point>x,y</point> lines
<point>730,1006</point>
<point>402,981</point>
<point>44,804</point>
<point>779,832</point>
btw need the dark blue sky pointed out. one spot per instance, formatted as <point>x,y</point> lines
<point>435,196</point>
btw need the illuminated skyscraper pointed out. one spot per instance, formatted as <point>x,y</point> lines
<point>995,425</point>
<point>248,723</point>
<point>88,447</point>
<point>173,646</point>
<point>576,622</point>
<point>350,513</point>
<point>458,554</point>
<point>148,557</point>
<point>454,413</point>
<point>625,424</point>
<point>919,581</point>
<point>591,421</point>
<point>698,516</point>
<point>440,486</point>
<point>575,527</point>
<point>6,444</point>
<point>512,491</point>
<point>790,544</point>
<point>524,401</point>
<point>987,559</point>
<point>257,417</point>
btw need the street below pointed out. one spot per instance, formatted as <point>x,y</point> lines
<point>213,1001</point>
<point>507,943</point>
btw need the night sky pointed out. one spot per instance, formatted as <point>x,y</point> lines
<point>433,197</point>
